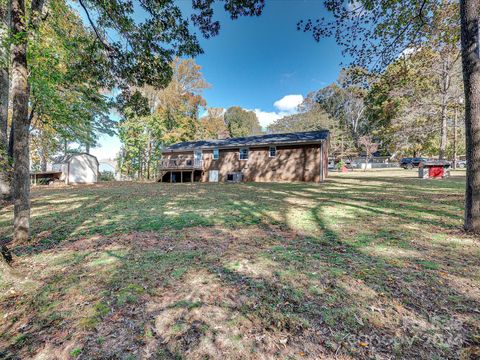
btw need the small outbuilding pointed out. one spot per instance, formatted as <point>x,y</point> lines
<point>78,168</point>
<point>434,169</point>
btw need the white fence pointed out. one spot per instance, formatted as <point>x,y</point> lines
<point>379,162</point>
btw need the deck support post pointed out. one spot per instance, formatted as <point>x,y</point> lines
<point>191,177</point>
<point>171,176</point>
<point>181,176</point>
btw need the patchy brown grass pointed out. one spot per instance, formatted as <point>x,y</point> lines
<point>367,265</point>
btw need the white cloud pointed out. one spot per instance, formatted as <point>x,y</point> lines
<point>266,118</point>
<point>288,103</point>
<point>286,106</point>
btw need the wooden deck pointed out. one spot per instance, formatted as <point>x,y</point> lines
<point>179,170</point>
<point>180,164</point>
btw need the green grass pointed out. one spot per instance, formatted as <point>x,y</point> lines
<point>366,265</point>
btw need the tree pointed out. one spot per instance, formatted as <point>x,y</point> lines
<point>177,106</point>
<point>470,13</point>
<point>212,126</point>
<point>313,117</point>
<point>374,35</point>
<point>310,119</point>
<point>44,144</point>
<point>410,105</point>
<point>344,101</point>
<point>154,117</point>
<point>369,145</point>
<point>242,122</point>
<point>141,54</point>
<point>20,24</point>
<point>438,60</point>
<point>5,158</point>
<point>66,104</point>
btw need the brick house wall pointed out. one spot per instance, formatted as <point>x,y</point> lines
<point>291,163</point>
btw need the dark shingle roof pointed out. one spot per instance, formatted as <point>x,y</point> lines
<point>259,140</point>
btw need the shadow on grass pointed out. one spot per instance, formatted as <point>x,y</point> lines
<point>321,293</point>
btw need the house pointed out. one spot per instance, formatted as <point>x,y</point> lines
<point>300,156</point>
<point>77,168</point>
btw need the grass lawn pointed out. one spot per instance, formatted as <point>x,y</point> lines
<point>366,265</point>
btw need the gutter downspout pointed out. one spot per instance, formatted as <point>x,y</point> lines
<point>321,163</point>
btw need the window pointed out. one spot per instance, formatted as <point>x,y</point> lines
<point>244,154</point>
<point>272,151</point>
<point>216,154</point>
<point>197,157</point>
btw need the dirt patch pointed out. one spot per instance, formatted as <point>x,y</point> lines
<point>205,318</point>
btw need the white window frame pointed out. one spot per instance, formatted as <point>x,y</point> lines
<point>197,152</point>
<point>240,153</point>
<point>270,151</point>
<point>216,150</point>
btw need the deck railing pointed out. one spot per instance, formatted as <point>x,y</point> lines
<point>181,163</point>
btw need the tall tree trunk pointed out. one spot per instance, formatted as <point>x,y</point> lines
<point>455,140</point>
<point>10,140</point>
<point>5,160</point>
<point>149,157</point>
<point>43,161</point>
<point>469,11</point>
<point>445,85</point>
<point>443,130</point>
<point>20,119</point>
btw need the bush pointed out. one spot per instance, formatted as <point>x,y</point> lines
<point>44,181</point>
<point>107,176</point>
<point>340,164</point>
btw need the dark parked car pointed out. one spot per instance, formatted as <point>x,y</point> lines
<point>417,161</point>
<point>406,163</point>
<point>409,163</point>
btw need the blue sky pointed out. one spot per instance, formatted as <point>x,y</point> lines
<point>261,63</point>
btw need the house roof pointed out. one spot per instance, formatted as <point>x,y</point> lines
<point>66,158</point>
<point>259,140</point>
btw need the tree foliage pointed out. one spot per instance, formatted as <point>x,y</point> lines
<point>153,118</point>
<point>241,122</point>
<point>344,101</point>
<point>312,116</point>
<point>373,33</point>
<point>140,52</point>
<point>212,126</point>
<point>414,47</point>
<point>66,85</point>
<point>413,103</point>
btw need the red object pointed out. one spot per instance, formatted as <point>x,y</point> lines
<point>436,171</point>
<point>344,169</point>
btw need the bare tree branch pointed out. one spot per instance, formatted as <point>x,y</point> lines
<point>97,33</point>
